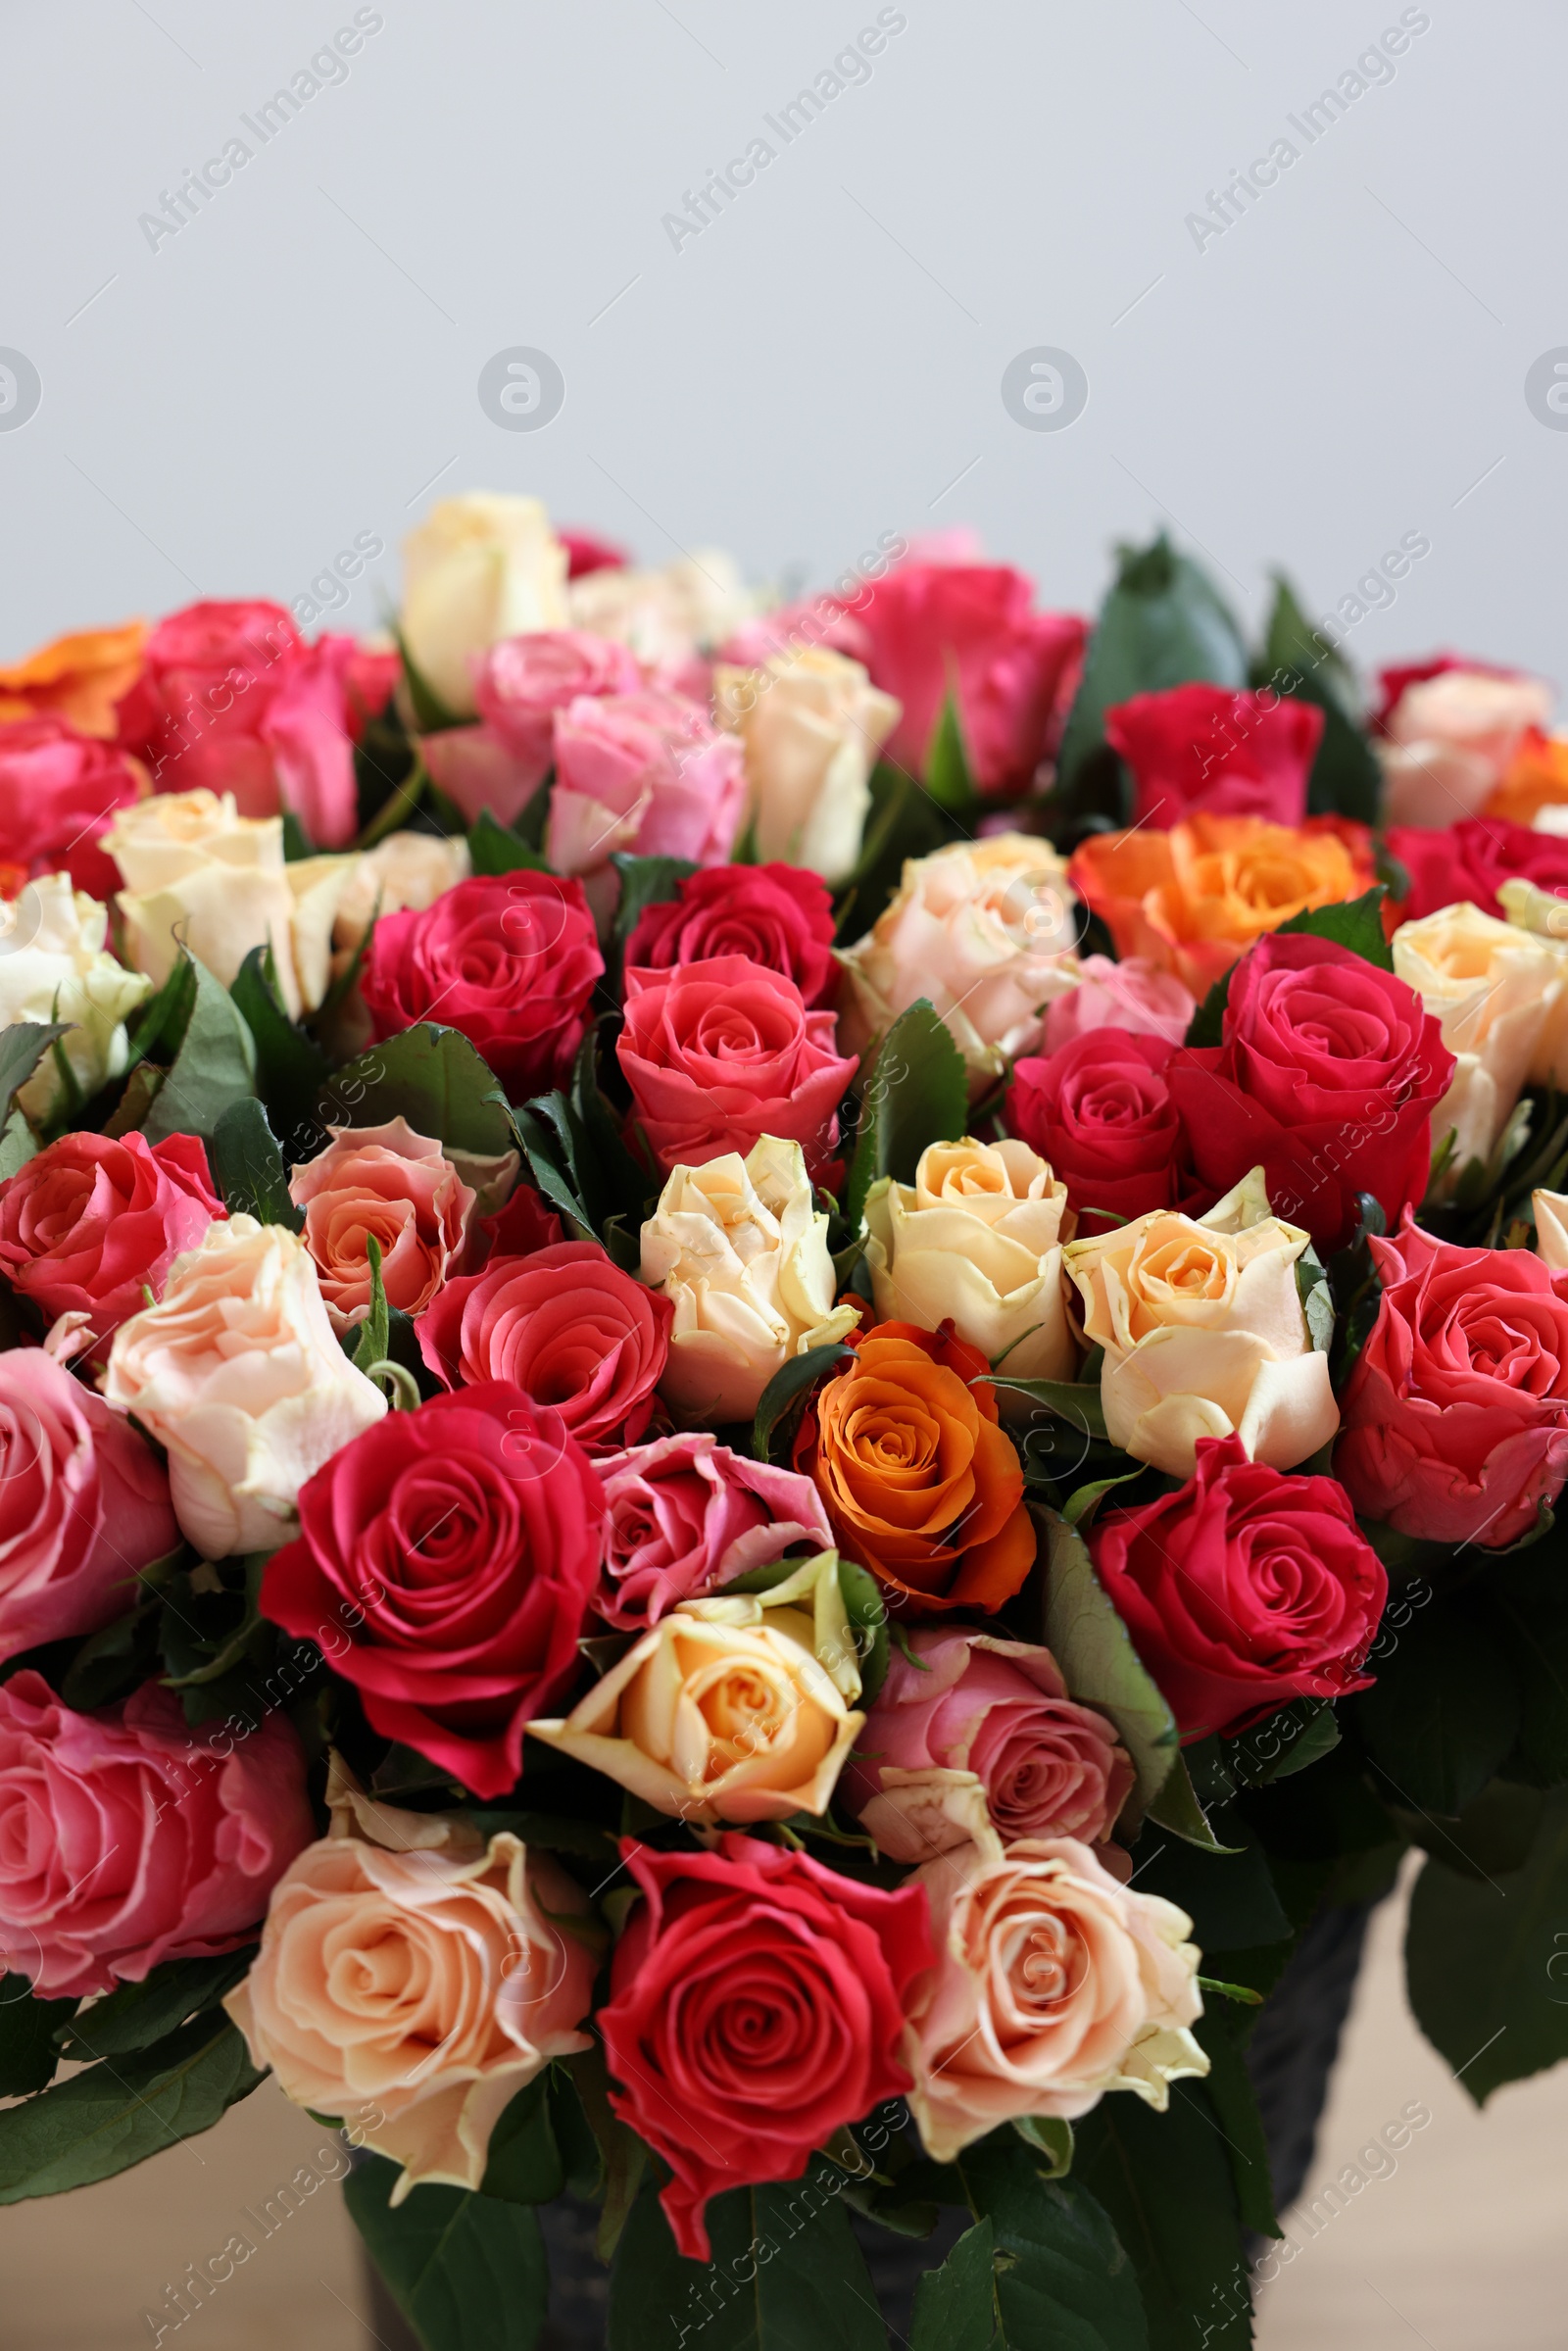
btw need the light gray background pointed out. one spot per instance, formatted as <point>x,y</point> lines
<point>822,364</point>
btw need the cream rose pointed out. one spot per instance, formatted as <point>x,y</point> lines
<point>1204,1334</point>
<point>238,1373</point>
<point>812,724</point>
<point>403,873</point>
<point>1550,1210</point>
<point>1496,989</point>
<point>977,1239</point>
<point>1052,1985</point>
<point>412,1972</point>
<point>196,870</point>
<point>479,568</point>
<point>54,965</point>
<point>741,1253</point>
<point>1449,739</point>
<point>665,617</point>
<point>985,931</point>
<point>732,1708</point>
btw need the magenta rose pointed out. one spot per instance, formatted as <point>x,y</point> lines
<point>59,791</point>
<point>1454,1421</point>
<point>646,773</point>
<point>970,1702</point>
<point>1467,861</point>
<point>84,1504</point>
<point>92,1218</point>
<point>1201,747</point>
<point>127,1839</point>
<point>1134,995</point>
<point>510,960</point>
<point>567,1326</point>
<point>720,1052</point>
<point>444,1561</point>
<point>1243,1590</point>
<point>1102,1113</point>
<point>1327,1079</point>
<point>776,915</point>
<point>687,1516</point>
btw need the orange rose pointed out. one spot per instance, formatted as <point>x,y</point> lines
<point>1196,898</point>
<point>920,1483</point>
<point>1537,779</point>
<point>79,678</point>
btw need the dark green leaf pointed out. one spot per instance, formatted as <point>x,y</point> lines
<point>1235,2104</point>
<point>1443,1712</point>
<point>248,1166</point>
<point>1177,1808</point>
<point>496,849</point>
<point>1297,1735</point>
<point>371,1344</point>
<point>645,882</point>
<point>1535,1634</point>
<point>216,1066</point>
<point>524,2164</point>
<point>18,1145</point>
<point>1062,2279</point>
<point>433,1077</point>
<point>136,2015</point>
<point>1490,1838</point>
<point>121,2110</point>
<point>792,1381</point>
<point>291,1069</point>
<point>1346,778</point>
<point>1094,1649</point>
<point>916,1092</point>
<point>1077,1405</point>
<point>159,1028</point>
<point>297,845</point>
<point>623,2155</point>
<point>544,1149</point>
<point>29,2055</point>
<point>555,1834</point>
<point>1230,1897</point>
<point>23,1046</point>
<point>114,1660</point>
<point>1354,922</point>
<point>1207,1024</point>
<point>867,1611</point>
<point>948,775</point>
<point>615,1183</point>
<point>1165,2179</point>
<point>1162,624</point>
<point>465,2269</point>
<point>955,2306</point>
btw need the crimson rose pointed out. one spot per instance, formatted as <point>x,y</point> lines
<point>59,791</point>
<point>93,1219</point>
<point>444,1562</point>
<point>1203,746</point>
<point>1243,1590</point>
<point>1100,1111</point>
<point>1468,861</point>
<point>776,915</point>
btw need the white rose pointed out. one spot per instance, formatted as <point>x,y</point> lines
<point>977,1239</point>
<point>403,873</point>
<point>812,724</point>
<point>1204,1334</point>
<point>985,931</point>
<point>665,616</point>
<point>478,569</point>
<point>1495,988</point>
<point>238,1373</point>
<point>1449,742</point>
<point>738,1247</point>
<point>54,966</point>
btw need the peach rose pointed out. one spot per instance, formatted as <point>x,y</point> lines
<point>732,1708</point>
<point>1498,991</point>
<point>1194,899</point>
<point>1451,739</point>
<point>408,1967</point>
<point>77,677</point>
<point>1052,1985</point>
<point>392,1183</point>
<point>238,1373</point>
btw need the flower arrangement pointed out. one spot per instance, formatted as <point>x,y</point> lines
<point>769,1375</point>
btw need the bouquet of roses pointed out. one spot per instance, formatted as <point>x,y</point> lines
<point>769,1377</point>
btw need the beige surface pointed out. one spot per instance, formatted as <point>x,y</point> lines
<point>1464,2247</point>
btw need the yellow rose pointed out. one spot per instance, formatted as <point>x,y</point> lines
<point>478,569</point>
<point>1495,988</point>
<point>734,1709</point>
<point>812,724</point>
<point>1204,1334</point>
<point>976,1240</point>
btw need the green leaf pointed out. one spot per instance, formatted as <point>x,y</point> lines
<point>1443,1710</point>
<point>645,882</point>
<point>216,1064</point>
<point>948,775</point>
<point>121,2110</point>
<point>615,1183</point>
<point>916,1092</point>
<point>1061,2277</point>
<point>248,1166</point>
<point>538,1126</point>
<point>371,1344</point>
<point>111,1662</point>
<point>290,1069</point>
<point>1230,1896</point>
<point>1487,1965</point>
<point>29,2055</point>
<point>1353,922</point>
<point>1346,778</point>
<point>524,2164</point>
<point>1235,2104</point>
<point>1320,1738</point>
<point>18,1145</point>
<point>1049,2136</point>
<point>159,1027</point>
<point>865,1606</point>
<point>905,822</point>
<point>1165,2179</point>
<point>1207,1024</point>
<point>433,1077</point>
<point>1177,1808</point>
<point>496,849</point>
<point>465,2269</point>
<point>791,1381</point>
<point>1080,1507</point>
<point>623,2158</point>
<point>1317,1300</point>
<point>23,1046</point>
<point>297,843</point>
<point>954,2306</point>
<point>1077,1404</point>
<point>1094,1652</point>
<point>1162,624</point>
<point>136,2015</point>
<point>1297,1736</point>
<point>430,712</point>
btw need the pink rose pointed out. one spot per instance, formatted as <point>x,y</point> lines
<point>59,791</point>
<point>1203,746</point>
<point>94,1219</point>
<point>1000,1710</point>
<point>720,1052</point>
<point>1456,1417</point>
<point>1449,733</point>
<point>398,1186</point>
<point>1134,995</point>
<point>643,772</point>
<point>567,1326</point>
<point>688,1516</point>
<point>524,681</point>
<point>126,1839</point>
<point>84,1504</point>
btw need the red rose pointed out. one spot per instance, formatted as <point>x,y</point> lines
<point>775,915</point>
<point>1243,1590</point>
<point>1468,861</point>
<point>510,960</point>
<point>1454,1422</point>
<point>232,698</point>
<point>1327,1079</point>
<point>970,626</point>
<point>1204,747</point>
<point>587,552</point>
<point>59,791</point>
<point>523,1225</point>
<point>444,1561</point>
<point>756,2006</point>
<point>567,1327</point>
<point>1100,1111</point>
<point>92,1218</point>
<point>720,1052</point>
